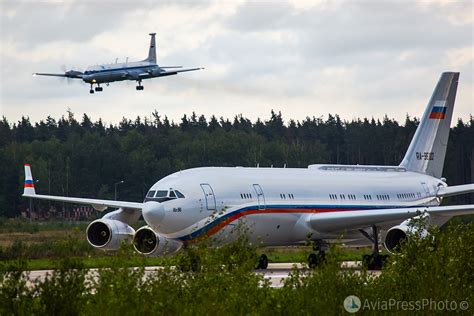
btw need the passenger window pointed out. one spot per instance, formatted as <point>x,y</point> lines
<point>179,194</point>
<point>151,194</point>
<point>161,193</point>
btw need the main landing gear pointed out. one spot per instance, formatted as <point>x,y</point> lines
<point>140,87</point>
<point>97,89</point>
<point>374,261</point>
<point>319,255</point>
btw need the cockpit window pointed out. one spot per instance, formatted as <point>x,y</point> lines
<point>172,195</point>
<point>161,193</point>
<point>179,194</point>
<point>151,194</point>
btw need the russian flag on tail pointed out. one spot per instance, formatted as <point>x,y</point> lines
<point>29,187</point>
<point>438,112</point>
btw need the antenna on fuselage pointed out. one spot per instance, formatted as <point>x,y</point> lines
<point>258,165</point>
<point>116,60</point>
<point>284,166</point>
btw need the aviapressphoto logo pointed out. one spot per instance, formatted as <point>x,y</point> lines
<point>353,304</point>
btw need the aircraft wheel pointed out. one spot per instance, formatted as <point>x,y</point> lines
<point>316,259</point>
<point>374,261</point>
<point>262,262</point>
<point>91,91</point>
<point>97,89</point>
<point>189,263</point>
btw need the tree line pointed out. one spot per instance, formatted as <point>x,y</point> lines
<point>88,159</point>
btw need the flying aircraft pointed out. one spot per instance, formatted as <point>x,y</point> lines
<point>135,71</point>
<point>366,205</point>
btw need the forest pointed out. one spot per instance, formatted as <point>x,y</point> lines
<point>79,157</point>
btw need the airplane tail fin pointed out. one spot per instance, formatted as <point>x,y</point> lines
<point>152,52</point>
<point>427,149</point>
<point>29,187</point>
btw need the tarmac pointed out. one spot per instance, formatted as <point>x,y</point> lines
<point>276,273</point>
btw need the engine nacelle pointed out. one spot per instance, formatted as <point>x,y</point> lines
<point>108,234</point>
<point>397,234</point>
<point>149,243</point>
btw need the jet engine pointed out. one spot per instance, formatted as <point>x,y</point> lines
<point>108,234</point>
<point>149,243</point>
<point>397,234</point>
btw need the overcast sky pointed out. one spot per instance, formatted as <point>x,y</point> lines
<point>303,58</point>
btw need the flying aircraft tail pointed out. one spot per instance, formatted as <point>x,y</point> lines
<point>29,187</point>
<point>152,52</point>
<point>427,149</point>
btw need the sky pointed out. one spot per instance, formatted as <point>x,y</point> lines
<point>361,58</point>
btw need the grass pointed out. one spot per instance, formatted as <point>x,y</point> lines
<point>98,261</point>
<point>43,248</point>
<point>439,269</point>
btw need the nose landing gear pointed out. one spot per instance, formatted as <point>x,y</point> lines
<point>262,262</point>
<point>139,87</point>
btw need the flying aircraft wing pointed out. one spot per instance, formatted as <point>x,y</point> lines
<point>47,74</point>
<point>100,205</point>
<point>348,220</point>
<point>74,74</point>
<point>155,74</point>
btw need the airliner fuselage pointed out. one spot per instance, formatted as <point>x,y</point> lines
<point>358,205</point>
<point>274,203</point>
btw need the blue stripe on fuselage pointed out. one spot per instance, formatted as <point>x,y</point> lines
<point>269,208</point>
<point>92,72</point>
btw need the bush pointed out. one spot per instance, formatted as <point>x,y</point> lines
<point>440,267</point>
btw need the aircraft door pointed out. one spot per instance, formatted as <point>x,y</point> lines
<point>260,196</point>
<point>425,187</point>
<point>209,195</point>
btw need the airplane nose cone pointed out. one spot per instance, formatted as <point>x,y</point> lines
<point>153,213</point>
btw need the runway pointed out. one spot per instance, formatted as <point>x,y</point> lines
<point>276,273</point>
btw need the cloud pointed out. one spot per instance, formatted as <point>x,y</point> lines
<point>362,58</point>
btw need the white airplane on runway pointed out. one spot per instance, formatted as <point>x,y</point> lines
<point>286,206</point>
<point>135,71</point>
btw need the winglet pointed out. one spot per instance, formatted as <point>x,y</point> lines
<point>29,188</point>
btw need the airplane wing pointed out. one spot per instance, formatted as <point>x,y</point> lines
<point>100,205</point>
<point>455,190</point>
<point>47,74</point>
<point>349,220</point>
<point>148,75</point>
<point>74,74</point>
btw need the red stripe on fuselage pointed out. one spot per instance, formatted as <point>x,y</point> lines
<point>29,185</point>
<point>232,218</point>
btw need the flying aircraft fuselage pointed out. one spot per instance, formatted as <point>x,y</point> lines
<point>135,71</point>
